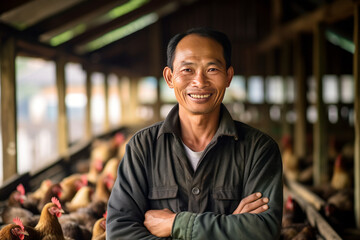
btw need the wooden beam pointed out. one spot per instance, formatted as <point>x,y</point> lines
<point>68,16</point>
<point>6,6</point>
<point>320,138</point>
<point>116,23</point>
<point>300,101</point>
<point>8,107</point>
<point>357,112</point>
<point>63,139</point>
<point>329,13</point>
<point>35,49</point>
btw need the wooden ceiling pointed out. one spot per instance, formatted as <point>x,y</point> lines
<point>47,28</point>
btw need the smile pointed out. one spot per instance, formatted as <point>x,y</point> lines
<point>199,96</point>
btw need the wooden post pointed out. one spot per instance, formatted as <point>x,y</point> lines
<point>284,68</point>
<point>156,53</point>
<point>88,126</point>
<point>106,96</point>
<point>134,87</point>
<point>320,138</point>
<point>300,101</point>
<point>121,100</point>
<point>63,139</point>
<point>8,107</point>
<point>357,112</point>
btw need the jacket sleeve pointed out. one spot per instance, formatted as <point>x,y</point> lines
<point>263,173</point>
<point>127,203</point>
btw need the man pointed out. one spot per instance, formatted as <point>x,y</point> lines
<point>199,174</point>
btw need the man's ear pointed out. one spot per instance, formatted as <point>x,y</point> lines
<point>230,74</point>
<point>167,73</point>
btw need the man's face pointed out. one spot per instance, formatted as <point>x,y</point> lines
<point>199,77</point>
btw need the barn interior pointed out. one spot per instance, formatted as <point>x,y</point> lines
<point>296,78</point>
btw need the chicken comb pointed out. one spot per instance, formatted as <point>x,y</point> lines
<point>48,182</point>
<point>105,215</point>
<point>56,201</point>
<point>20,188</point>
<point>84,179</point>
<point>18,221</point>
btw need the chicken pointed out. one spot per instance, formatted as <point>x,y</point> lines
<point>102,192</point>
<point>81,199</point>
<point>99,230</point>
<point>70,185</point>
<point>13,231</point>
<point>48,227</point>
<point>72,230</point>
<point>54,190</point>
<point>339,210</point>
<point>40,192</point>
<point>292,213</point>
<point>15,208</point>
<point>116,142</point>
<point>86,216</point>
<point>17,197</point>
<point>122,148</point>
<point>341,178</point>
<point>9,213</point>
<point>111,167</point>
<point>290,161</point>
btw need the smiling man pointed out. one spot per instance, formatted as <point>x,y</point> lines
<point>198,174</point>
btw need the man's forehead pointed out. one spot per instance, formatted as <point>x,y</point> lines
<point>194,47</point>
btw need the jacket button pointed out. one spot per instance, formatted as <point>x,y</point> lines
<point>195,191</point>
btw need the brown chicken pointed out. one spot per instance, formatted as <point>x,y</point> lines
<point>73,230</point>
<point>292,213</point>
<point>341,177</point>
<point>111,167</point>
<point>86,216</point>
<point>339,210</point>
<point>103,188</point>
<point>99,230</point>
<point>13,231</point>
<point>54,190</point>
<point>70,185</point>
<point>48,227</point>
<point>16,208</point>
<point>40,192</point>
<point>290,161</point>
<point>81,199</point>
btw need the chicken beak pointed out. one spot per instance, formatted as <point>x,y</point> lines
<point>25,233</point>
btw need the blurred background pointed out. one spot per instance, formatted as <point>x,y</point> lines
<point>73,71</point>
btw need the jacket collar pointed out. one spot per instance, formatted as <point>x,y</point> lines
<point>172,124</point>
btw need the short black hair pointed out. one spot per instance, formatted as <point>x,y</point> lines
<point>219,37</point>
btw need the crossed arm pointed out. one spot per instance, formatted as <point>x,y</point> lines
<point>160,222</point>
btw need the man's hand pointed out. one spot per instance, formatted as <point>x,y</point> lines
<point>253,203</point>
<point>159,222</point>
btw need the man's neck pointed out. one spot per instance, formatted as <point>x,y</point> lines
<point>198,130</point>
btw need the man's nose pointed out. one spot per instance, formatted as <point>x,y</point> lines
<point>200,80</point>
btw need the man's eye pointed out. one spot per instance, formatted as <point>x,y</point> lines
<point>212,69</point>
<point>186,70</point>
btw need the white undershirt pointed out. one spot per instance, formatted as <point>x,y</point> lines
<point>194,157</point>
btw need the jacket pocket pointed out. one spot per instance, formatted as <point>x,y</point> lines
<point>164,197</point>
<point>225,200</point>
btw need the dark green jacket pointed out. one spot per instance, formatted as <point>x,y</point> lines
<point>155,174</point>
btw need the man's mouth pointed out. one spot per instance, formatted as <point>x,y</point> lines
<point>200,96</point>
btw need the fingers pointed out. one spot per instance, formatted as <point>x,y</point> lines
<point>253,203</point>
<point>260,206</point>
